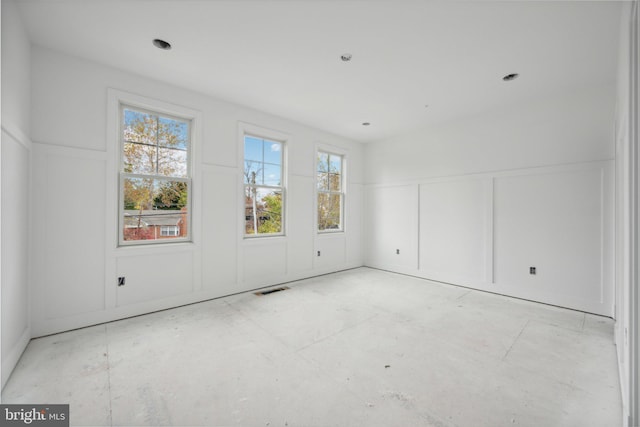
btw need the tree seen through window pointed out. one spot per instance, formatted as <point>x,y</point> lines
<point>263,188</point>
<point>154,176</point>
<point>330,191</point>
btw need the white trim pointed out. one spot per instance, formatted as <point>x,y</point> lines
<point>112,251</point>
<point>344,184</point>
<point>262,132</point>
<point>497,173</point>
<point>52,326</point>
<point>12,357</point>
<point>627,330</point>
<point>490,235</point>
<point>539,170</point>
<point>634,273</point>
<point>72,152</point>
<point>248,129</point>
<point>115,100</point>
<point>488,281</point>
<point>14,131</point>
<point>418,227</point>
<point>156,176</point>
<point>341,192</point>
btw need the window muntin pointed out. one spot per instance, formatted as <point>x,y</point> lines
<point>330,189</point>
<point>155,177</point>
<point>263,186</point>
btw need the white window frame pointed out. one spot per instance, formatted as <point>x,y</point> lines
<point>246,129</point>
<point>157,177</point>
<point>114,233</point>
<point>331,151</point>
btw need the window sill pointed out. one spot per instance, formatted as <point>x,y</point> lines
<point>330,232</point>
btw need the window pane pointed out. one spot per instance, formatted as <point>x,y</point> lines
<point>323,181</point>
<point>154,206</point>
<point>334,182</point>
<point>150,204</point>
<point>262,162</point>
<point>170,195</point>
<point>335,164</point>
<point>139,158</point>
<point>272,175</point>
<point>138,193</point>
<point>140,127</point>
<point>273,152</point>
<point>173,133</point>
<point>323,162</point>
<point>252,172</point>
<point>263,211</point>
<point>172,162</point>
<point>329,208</point>
<point>253,149</point>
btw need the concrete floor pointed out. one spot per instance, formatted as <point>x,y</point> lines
<point>356,348</point>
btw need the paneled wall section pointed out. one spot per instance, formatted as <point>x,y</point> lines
<point>16,183</point>
<point>486,232</point>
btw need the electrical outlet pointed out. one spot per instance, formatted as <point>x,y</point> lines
<point>397,251</point>
<point>318,253</point>
<point>121,281</point>
<point>532,270</point>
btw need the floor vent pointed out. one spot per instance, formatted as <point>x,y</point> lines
<point>271,291</point>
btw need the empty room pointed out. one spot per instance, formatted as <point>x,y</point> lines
<point>319,213</point>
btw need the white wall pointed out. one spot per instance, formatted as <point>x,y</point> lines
<point>16,76</point>
<point>568,128</point>
<point>15,153</point>
<point>395,246</point>
<point>626,214</point>
<point>480,200</point>
<point>456,214</point>
<point>76,265</point>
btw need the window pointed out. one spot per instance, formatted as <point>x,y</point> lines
<point>330,186</point>
<point>169,230</point>
<point>155,177</point>
<point>263,186</point>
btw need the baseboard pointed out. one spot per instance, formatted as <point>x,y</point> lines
<point>584,306</point>
<point>59,325</point>
<point>10,362</point>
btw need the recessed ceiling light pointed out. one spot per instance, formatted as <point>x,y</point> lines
<point>366,124</point>
<point>346,57</point>
<point>161,44</point>
<point>510,77</point>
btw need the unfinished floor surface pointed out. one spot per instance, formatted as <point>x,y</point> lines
<point>357,348</point>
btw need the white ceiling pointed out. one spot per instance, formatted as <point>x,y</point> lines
<point>283,56</point>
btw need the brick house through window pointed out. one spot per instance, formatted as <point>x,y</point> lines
<point>155,224</point>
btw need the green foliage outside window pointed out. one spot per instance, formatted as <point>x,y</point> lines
<point>330,195</point>
<point>154,175</point>
<point>263,190</point>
